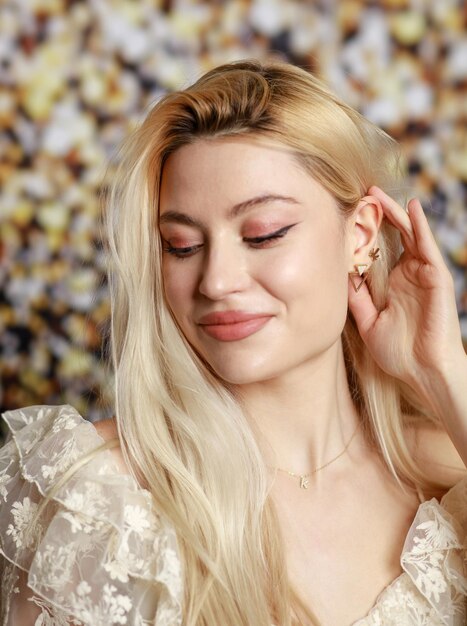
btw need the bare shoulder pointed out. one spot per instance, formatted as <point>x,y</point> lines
<point>107,429</point>
<point>434,449</point>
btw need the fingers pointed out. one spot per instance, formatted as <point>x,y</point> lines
<point>426,242</point>
<point>398,218</point>
<point>413,225</point>
<point>363,309</point>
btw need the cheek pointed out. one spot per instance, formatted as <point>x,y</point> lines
<point>312,279</point>
<point>299,271</point>
<point>176,290</point>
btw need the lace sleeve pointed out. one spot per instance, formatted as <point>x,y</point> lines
<point>99,554</point>
<point>20,606</point>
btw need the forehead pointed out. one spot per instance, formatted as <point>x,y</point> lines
<point>229,170</point>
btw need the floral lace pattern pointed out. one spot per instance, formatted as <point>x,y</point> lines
<point>100,554</point>
<point>432,590</point>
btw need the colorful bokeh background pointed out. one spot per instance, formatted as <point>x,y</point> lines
<point>77,76</point>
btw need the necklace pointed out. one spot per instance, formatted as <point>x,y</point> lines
<point>304,477</point>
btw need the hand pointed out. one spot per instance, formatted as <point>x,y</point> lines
<point>417,334</point>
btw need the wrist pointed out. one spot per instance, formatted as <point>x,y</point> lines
<point>454,369</point>
<point>438,387</point>
<point>448,369</point>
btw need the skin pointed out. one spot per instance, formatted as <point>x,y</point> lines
<point>289,374</point>
<point>344,536</point>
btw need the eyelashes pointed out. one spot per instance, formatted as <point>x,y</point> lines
<point>181,253</point>
<point>271,237</point>
<point>256,242</point>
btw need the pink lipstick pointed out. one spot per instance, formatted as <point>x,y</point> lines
<point>233,325</point>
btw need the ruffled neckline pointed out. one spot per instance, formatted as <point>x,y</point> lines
<point>100,510</point>
<point>431,556</point>
<point>434,563</point>
<point>100,497</point>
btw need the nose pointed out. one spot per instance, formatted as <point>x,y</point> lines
<point>224,272</point>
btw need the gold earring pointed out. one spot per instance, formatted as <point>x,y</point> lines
<point>360,270</point>
<point>373,254</point>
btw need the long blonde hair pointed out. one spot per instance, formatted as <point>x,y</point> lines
<point>181,430</point>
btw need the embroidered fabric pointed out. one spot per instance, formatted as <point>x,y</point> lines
<point>432,590</point>
<point>101,555</point>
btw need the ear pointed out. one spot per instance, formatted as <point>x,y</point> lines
<point>364,226</point>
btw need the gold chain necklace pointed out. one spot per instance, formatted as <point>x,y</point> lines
<point>304,477</point>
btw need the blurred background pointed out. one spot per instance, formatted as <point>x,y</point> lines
<point>77,76</point>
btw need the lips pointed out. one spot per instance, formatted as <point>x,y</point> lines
<point>229,317</point>
<point>233,325</point>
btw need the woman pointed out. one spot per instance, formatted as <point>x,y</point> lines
<point>290,439</point>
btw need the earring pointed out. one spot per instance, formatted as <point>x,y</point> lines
<point>374,254</point>
<point>360,269</point>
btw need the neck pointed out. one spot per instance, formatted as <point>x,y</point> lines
<point>306,417</point>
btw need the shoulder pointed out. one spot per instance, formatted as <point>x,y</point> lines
<point>95,522</point>
<point>107,430</point>
<point>434,449</point>
<point>47,440</point>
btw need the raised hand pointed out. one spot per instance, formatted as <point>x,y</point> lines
<point>417,334</point>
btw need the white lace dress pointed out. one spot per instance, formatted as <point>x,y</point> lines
<point>101,555</point>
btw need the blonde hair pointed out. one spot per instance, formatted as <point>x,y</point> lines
<point>182,432</point>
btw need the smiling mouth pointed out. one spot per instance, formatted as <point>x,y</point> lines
<point>235,330</point>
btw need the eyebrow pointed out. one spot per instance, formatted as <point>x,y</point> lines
<point>235,211</point>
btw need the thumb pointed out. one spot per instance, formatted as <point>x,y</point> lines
<point>362,308</point>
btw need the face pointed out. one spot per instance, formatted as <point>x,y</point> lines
<point>254,261</point>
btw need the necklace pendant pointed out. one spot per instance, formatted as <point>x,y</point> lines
<point>304,482</point>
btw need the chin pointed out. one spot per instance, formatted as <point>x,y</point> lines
<point>243,372</point>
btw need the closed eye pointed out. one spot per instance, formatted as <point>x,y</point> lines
<point>181,253</point>
<point>259,241</point>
